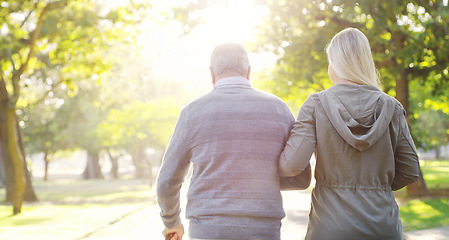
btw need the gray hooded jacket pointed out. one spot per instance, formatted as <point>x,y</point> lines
<point>363,152</point>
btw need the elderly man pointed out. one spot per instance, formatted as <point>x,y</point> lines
<point>233,137</point>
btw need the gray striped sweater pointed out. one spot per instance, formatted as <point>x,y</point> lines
<point>233,137</point>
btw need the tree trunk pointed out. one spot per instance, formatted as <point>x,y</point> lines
<point>139,171</point>
<point>402,92</point>
<point>30,195</point>
<point>9,176</point>
<point>419,187</point>
<point>17,160</point>
<point>444,154</point>
<point>46,166</point>
<point>7,164</point>
<point>93,169</point>
<point>143,167</point>
<point>150,174</point>
<point>114,165</point>
<point>2,169</point>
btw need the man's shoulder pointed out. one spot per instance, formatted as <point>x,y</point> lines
<point>198,102</point>
<point>268,96</point>
<point>254,93</point>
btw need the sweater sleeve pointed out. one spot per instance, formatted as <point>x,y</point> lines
<point>298,182</point>
<point>174,168</point>
<point>405,158</point>
<point>301,143</point>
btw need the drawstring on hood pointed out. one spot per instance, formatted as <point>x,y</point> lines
<point>359,113</point>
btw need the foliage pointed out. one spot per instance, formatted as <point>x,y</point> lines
<point>139,125</point>
<point>430,129</point>
<point>430,119</point>
<point>80,116</point>
<point>408,40</point>
<point>75,54</point>
<point>141,111</point>
<point>127,109</point>
<point>61,39</point>
<point>42,131</point>
<point>404,38</point>
<point>419,214</point>
<point>73,38</point>
<point>402,35</point>
<point>70,38</point>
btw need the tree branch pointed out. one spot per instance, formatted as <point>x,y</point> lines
<point>29,14</point>
<point>32,43</point>
<point>389,62</point>
<point>44,96</point>
<point>346,23</point>
<point>3,90</point>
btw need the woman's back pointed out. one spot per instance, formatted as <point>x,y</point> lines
<point>357,129</point>
<point>356,134</point>
<point>362,146</point>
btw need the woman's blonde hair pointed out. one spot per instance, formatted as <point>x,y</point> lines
<point>349,54</point>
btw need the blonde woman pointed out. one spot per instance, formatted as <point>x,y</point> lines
<point>362,146</point>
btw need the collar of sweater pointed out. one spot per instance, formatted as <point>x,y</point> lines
<point>232,81</point>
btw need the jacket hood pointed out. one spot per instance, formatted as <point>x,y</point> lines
<point>359,113</point>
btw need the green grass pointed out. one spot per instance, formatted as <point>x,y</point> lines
<point>99,191</point>
<point>436,173</point>
<point>70,209</point>
<point>433,211</point>
<point>425,213</point>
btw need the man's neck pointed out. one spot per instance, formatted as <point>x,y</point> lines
<point>223,76</point>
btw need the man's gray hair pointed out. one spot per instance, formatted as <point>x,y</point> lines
<point>229,56</point>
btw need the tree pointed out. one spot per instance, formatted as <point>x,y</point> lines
<point>140,110</point>
<point>42,131</point>
<point>14,47</point>
<point>64,35</point>
<point>139,126</point>
<point>430,119</point>
<point>404,37</point>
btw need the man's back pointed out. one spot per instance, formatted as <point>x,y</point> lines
<point>233,136</point>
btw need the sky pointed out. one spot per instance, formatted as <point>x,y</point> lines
<point>186,57</point>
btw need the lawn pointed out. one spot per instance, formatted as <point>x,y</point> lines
<point>433,211</point>
<point>436,174</point>
<point>72,209</point>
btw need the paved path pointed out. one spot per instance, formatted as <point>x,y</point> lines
<point>441,233</point>
<point>146,224</point>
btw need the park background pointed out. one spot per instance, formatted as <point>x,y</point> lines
<point>90,92</point>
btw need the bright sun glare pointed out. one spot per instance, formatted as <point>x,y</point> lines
<point>187,57</point>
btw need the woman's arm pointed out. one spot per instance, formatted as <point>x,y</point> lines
<point>301,143</point>
<point>405,158</point>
